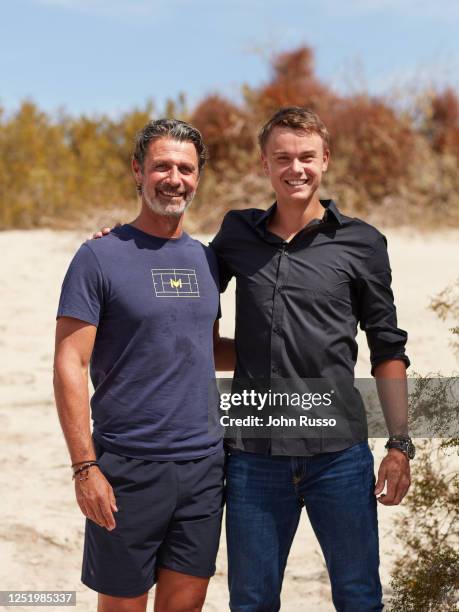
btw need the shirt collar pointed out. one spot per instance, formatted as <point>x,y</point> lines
<point>331,210</point>
<point>267,214</point>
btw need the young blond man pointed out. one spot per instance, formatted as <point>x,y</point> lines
<point>306,275</point>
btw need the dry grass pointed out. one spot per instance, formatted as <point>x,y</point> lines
<point>390,166</point>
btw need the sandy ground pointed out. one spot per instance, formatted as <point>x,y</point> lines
<point>41,528</point>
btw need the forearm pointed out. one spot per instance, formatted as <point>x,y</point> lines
<point>72,401</point>
<point>224,355</point>
<point>392,388</point>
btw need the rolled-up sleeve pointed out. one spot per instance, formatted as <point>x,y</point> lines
<point>377,313</point>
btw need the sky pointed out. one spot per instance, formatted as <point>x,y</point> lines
<point>109,56</point>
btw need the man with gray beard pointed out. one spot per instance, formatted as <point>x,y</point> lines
<point>140,307</point>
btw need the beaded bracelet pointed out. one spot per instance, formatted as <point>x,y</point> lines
<point>84,470</point>
<point>81,462</point>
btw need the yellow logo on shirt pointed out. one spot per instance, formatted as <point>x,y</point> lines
<point>175,282</point>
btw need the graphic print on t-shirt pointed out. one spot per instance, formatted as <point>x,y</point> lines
<point>171,282</point>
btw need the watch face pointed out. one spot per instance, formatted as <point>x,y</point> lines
<point>406,446</point>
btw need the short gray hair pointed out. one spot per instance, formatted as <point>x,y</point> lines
<point>169,128</point>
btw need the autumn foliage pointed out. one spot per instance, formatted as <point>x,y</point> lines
<point>444,122</point>
<point>226,131</point>
<point>292,83</point>
<point>391,167</point>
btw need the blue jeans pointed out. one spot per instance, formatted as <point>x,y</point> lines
<point>265,495</point>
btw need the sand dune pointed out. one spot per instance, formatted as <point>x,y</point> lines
<point>41,529</point>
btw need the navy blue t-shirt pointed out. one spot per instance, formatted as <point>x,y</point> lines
<point>154,302</point>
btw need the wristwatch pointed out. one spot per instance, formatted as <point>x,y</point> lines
<point>403,444</point>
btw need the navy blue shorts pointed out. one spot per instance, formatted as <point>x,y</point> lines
<point>169,515</point>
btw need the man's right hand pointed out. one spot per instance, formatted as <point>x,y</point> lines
<point>96,498</point>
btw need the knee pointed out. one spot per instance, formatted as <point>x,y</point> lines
<point>180,604</point>
<point>181,608</point>
<point>107,603</point>
<point>177,592</point>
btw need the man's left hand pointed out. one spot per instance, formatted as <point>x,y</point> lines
<point>394,472</point>
<point>101,233</point>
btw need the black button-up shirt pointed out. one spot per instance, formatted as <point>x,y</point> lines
<point>298,303</point>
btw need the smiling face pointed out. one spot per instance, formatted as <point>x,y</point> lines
<point>169,176</point>
<point>294,161</point>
